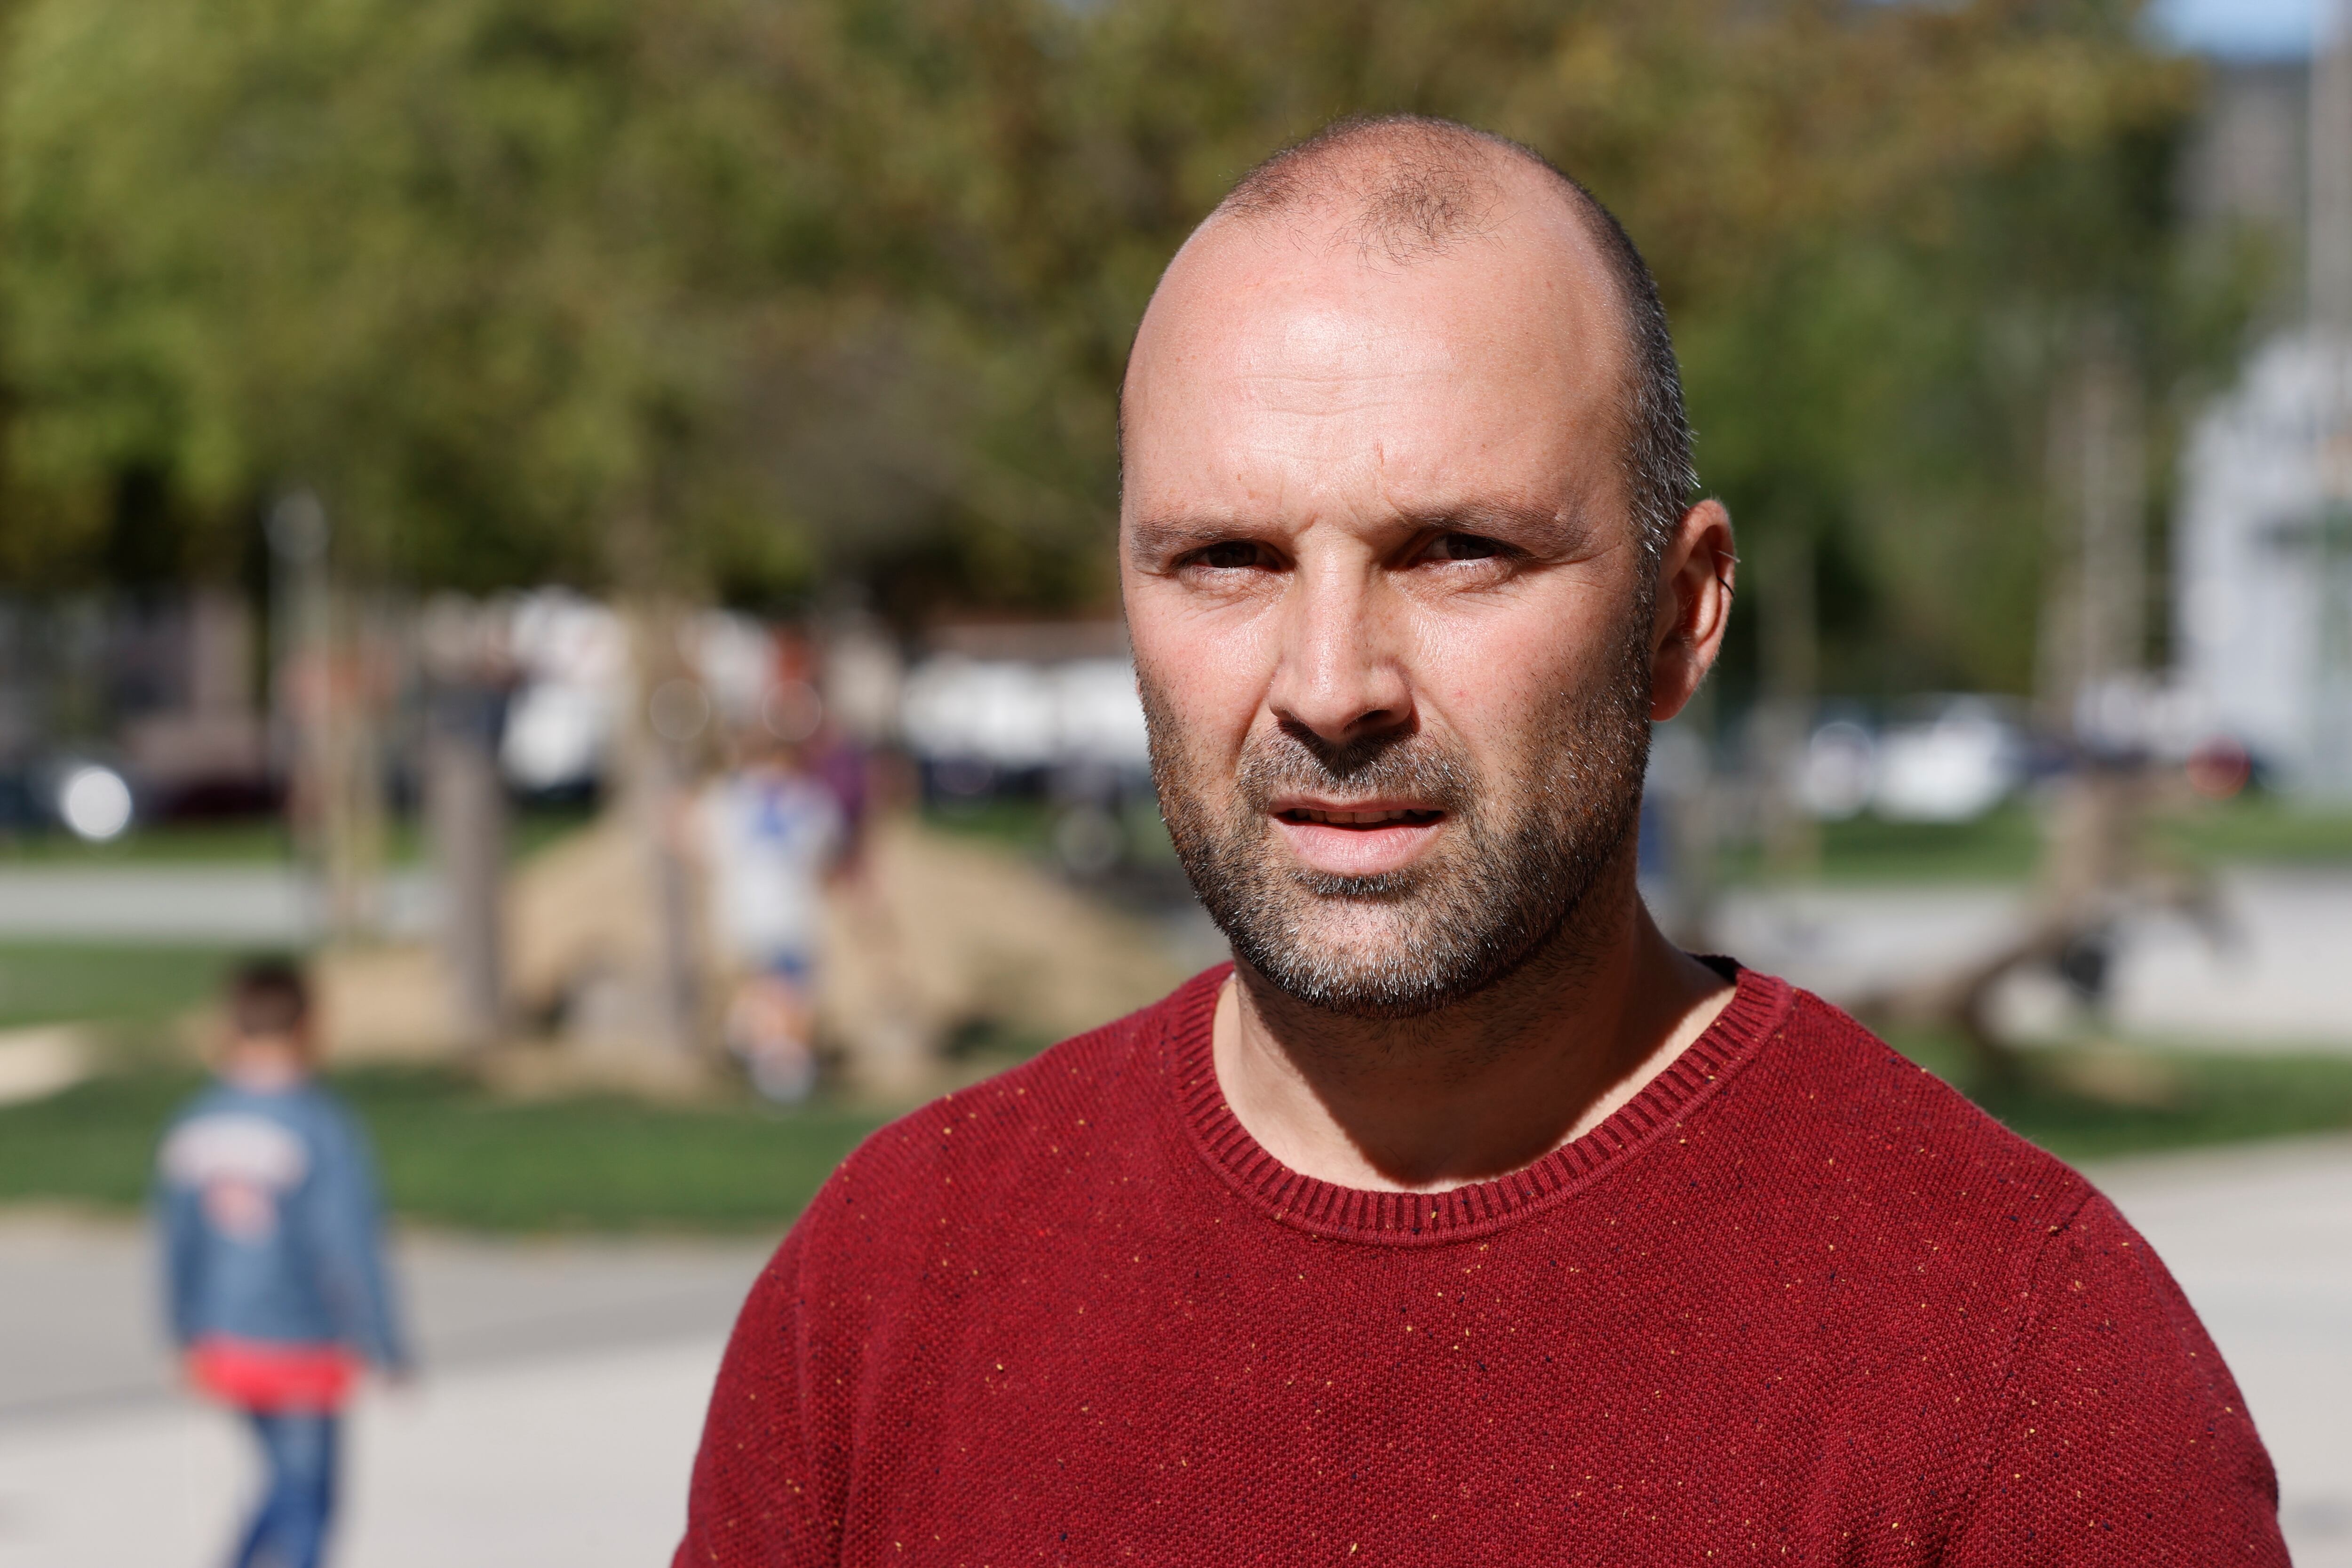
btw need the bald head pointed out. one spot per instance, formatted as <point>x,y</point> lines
<point>1404,587</point>
<point>1404,188</point>
<point>1402,192</point>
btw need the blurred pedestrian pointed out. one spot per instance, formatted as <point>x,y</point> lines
<point>770,831</point>
<point>273,1257</point>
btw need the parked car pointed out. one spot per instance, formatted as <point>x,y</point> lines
<point>1948,758</point>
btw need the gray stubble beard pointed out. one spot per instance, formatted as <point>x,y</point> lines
<point>1506,884</point>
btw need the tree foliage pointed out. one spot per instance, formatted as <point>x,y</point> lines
<point>750,294</point>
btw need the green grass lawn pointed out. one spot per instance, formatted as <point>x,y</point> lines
<point>237,841</point>
<point>43,983</point>
<point>2262,828</point>
<point>2204,1097</point>
<point>2003,845</point>
<point>2220,1099</point>
<point>1999,847</point>
<point>453,1154</point>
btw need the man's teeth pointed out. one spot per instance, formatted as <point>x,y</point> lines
<point>1359,819</point>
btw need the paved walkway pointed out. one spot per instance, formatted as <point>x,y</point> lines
<point>579,1462</point>
<point>2261,1239</point>
<point>2272,975</point>
<point>77,1328</point>
<point>567,1381</point>
<point>258,905</point>
<point>563,1391</point>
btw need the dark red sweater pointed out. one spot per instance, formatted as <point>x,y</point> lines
<point>1797,1303</point>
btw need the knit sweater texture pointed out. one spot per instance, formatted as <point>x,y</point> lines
<point>1797,1302</point>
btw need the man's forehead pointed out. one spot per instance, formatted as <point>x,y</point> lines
<point>1296,306</point>
<point>1274,337</point>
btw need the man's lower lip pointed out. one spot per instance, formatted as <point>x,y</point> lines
<point>1359,850</point>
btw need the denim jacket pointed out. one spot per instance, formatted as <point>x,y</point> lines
<point>270,1226</point>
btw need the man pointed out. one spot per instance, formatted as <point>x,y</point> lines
<point>273,1257</point>
<point>1464,1219</point>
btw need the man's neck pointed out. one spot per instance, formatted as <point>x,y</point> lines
<point>1478,1089</point>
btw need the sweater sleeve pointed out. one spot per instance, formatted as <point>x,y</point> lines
<point>2122,1438</point>
<point>758,1496</point>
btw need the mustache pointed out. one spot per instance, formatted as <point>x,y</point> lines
<point>1292,757</point>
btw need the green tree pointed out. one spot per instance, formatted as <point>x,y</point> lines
<point>740,294</point>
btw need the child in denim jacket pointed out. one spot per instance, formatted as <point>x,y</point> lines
<point>273,1257</point>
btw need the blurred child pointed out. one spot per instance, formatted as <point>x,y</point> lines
<point>771,832</point>
<point>273,1257</point>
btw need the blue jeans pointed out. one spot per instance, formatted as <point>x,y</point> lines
<point>289,1528</point>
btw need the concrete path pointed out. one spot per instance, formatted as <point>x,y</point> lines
<point>580,1462</point>
<point>267,906</point>
<point>566,1382</point>
<point>2261,1240</point>
<point>79,1335</point>
<point>2272,975</point>
<point>563,1389</point>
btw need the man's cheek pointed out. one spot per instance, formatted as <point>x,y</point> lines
<point>1215,718</point>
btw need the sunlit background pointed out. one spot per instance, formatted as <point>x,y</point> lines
<point>432,435</point>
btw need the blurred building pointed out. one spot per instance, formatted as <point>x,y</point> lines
<point>2263,567</point>
<point>2262,549</point>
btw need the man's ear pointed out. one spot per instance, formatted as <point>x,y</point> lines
<point>1696,575</point>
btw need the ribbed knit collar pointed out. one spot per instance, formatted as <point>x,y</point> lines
<point>1759,1004</point>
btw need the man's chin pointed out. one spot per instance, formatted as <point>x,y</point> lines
<point>1358,961</point>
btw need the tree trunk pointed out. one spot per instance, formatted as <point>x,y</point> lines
<point>1791,650</point>
<point>656,798</point>
<point>466,806</point>
<point>327,688</point>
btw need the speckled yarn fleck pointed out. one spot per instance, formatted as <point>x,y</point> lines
<point>1797,1303</point>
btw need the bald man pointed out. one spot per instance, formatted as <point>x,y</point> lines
<point>1461,1218</point>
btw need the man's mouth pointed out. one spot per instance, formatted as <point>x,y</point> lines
<point>1358,838</point>
<point>1375,816</point>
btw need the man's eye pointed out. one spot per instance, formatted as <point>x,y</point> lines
<point>1462,547</point>
<point>1227,554</point>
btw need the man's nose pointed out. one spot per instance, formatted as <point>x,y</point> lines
<point>1343,675</point>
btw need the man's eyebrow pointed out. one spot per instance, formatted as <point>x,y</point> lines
<point>1166,535</point>
<point>1543,525</point>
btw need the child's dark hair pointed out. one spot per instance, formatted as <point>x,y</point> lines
<point>267,996</point>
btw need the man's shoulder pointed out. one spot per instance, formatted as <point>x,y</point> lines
<point>1071,1112</point>
<point>1860,1119</point>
